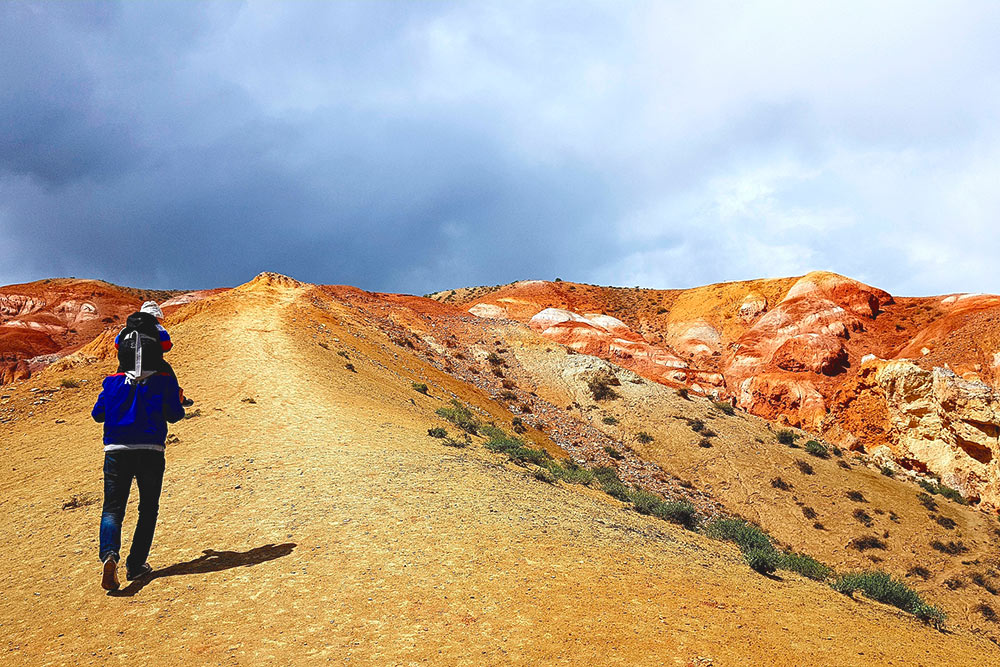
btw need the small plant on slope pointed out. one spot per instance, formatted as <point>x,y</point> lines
<point>600,389</point>
<point>883,588</point>
<point>724,407</point>
<point>461,416</point>
<point>817,449</point>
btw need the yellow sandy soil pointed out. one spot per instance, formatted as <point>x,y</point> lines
<point>320,523</point>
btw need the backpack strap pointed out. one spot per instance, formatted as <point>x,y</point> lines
<point>137,375</point>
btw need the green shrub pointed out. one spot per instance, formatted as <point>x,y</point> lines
<point>856,496</point>
<point>863,517</point>
<point>786,436</point>
<point>571,473</point>
<point>643,501</point>
<point>951,494</point>
<point>888,472</point>
<point>600,389</point>
<point>438,432</point>
<point>781,484</point>
<point>454,442</point>
<point>677,511</point>
<point>508,395</point>
<point>609,420</point>
<point>979,579</point>
<point>420,388</point>
<point>883,588</point>
<point>495,359</point>
<point>612,485</point>
<point>765,561</point>
<point>514,448</point>
<point>803,467</point>
<point>866,542</point>
<point>952,548</point>
<point>987,612</point>
<point>461,416</point>
<point>644,437</point>
<point>742,533</point>
<point>683,392</point>
<point>724,407</point>
<point>927,501</point>
<point>705,443</point>
<point>545,475</point>
<point>807,566</point>
<point>946,491</point>
<point>613,453</point>
<point>817,449</point>
<point>67,383</point>
<point>518,425</point>
<point>696,425</point>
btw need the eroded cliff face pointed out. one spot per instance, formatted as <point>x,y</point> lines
<point>943,424</point>
<point>609,338</point>
<point>785,366</point>
<point>45,320</point>
<point>911,377</point>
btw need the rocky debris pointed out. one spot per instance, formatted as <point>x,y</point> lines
<point>949,425</point>
<point>776,396</point>
<point>754,305</point>
<point>489,311</point>
<point>270,280</point>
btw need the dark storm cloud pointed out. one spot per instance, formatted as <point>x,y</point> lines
<point>419,146</point>
<point>152,169</point>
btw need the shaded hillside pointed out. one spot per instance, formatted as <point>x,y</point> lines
<point>307,515</point>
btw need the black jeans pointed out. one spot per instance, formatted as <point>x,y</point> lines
<point>146,466</point>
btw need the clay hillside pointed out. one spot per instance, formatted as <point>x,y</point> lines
<point>910,381</point>
<point>771,472</point>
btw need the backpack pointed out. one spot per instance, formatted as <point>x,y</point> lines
<point>139,354</point>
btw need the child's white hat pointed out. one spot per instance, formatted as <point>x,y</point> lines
<point>151,308</point>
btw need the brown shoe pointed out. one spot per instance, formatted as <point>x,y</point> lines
<point>109,578</point>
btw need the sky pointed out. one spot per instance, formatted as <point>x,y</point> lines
<point>415,147</point>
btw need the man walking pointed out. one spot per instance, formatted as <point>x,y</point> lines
<point>135,406</point>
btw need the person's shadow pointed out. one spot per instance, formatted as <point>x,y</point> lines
<point>210,561</point>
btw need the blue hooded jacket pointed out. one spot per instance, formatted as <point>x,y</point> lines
<point>137,414</point>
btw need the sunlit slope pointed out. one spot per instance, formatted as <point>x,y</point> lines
<point>815,505</point>
<point>307,516</point>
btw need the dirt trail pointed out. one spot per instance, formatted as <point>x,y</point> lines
<point>320,523</point>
